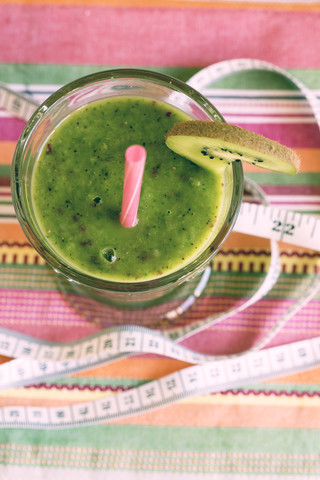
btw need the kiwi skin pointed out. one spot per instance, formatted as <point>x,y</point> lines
<point>236,136</point>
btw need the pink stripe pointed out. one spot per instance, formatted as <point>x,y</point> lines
<point>292,189</point>
<point>10,129</point>
<point>178,37</point>
<point>294,203</point>
<point>292,135</point>
<point>222,341</point>
<point>240,332</point>
<point>46,315</point>
<point>43,314</point>
<point>4,182</point>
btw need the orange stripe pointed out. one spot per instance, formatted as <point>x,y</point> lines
<point>12,232</point>
<point>310,377</point>
<point>239,240</point>
<point>174,4</point>
<point>27,402</point>
<point>4,359</point>
<point>229,416</point>
<point>243,241</point>
<point>310,161</point>
<point>138,368</point>
<point>6,152</point>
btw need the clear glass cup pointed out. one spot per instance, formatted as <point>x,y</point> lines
<point>104,301</point>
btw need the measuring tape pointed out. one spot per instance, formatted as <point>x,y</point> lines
<point>37,360</point>
<point>17,104</point>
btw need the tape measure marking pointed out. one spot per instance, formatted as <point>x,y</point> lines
<point>280,225</point>
<point>208,378</point>
<point>17,104</point>
<point>37,360</point>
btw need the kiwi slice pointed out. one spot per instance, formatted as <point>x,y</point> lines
<point>210,144</point>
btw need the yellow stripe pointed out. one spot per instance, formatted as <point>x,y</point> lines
<point>251,262</point>
<point>251,399</point>
<point>301,6</point>
<point>293,264</point>
<point>21,255</point>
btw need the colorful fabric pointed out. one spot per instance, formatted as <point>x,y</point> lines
<point>267,429</point>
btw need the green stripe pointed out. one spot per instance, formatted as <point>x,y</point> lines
<point>308,212</point>
<point>254,80</point>
<point>131,383</point>
<point>224,283</point>
<point>41,74</point>
<point>27,277</point>
<point>265,80</point>
<point>308,76</point>
<point>312,178</point>
<point>5,171</point>
<point>59,74</point>
<point>98,382</point>
<point>173,439</point>
<point>281,387</point>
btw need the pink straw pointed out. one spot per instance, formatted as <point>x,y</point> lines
<point>135,159</point>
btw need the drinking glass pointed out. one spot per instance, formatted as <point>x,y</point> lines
<point>151,302</point>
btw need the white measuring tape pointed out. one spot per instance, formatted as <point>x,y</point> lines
<point>17,104</point>
<point>36,360</point>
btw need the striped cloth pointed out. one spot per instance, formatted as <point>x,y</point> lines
<point>265,430</point>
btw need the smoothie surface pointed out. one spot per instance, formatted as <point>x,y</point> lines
<point>77,192</point>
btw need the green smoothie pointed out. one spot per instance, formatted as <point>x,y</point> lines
<point>77,193</point>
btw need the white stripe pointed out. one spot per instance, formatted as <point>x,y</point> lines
<point>261,107</point>
<point>240,92</point>
<point>7,210</point>
<point>12,472</point>
<point>258,119</point>
<point>295,198</point>
<point>10,220</point>
<point>5,199</point>
<point>34,87</point>
<point>298,207</point>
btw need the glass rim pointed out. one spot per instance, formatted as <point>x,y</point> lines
<point>52,257</point>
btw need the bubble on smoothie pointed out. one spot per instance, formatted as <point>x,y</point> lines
<point>109,254</point>
<point>96,201</point>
